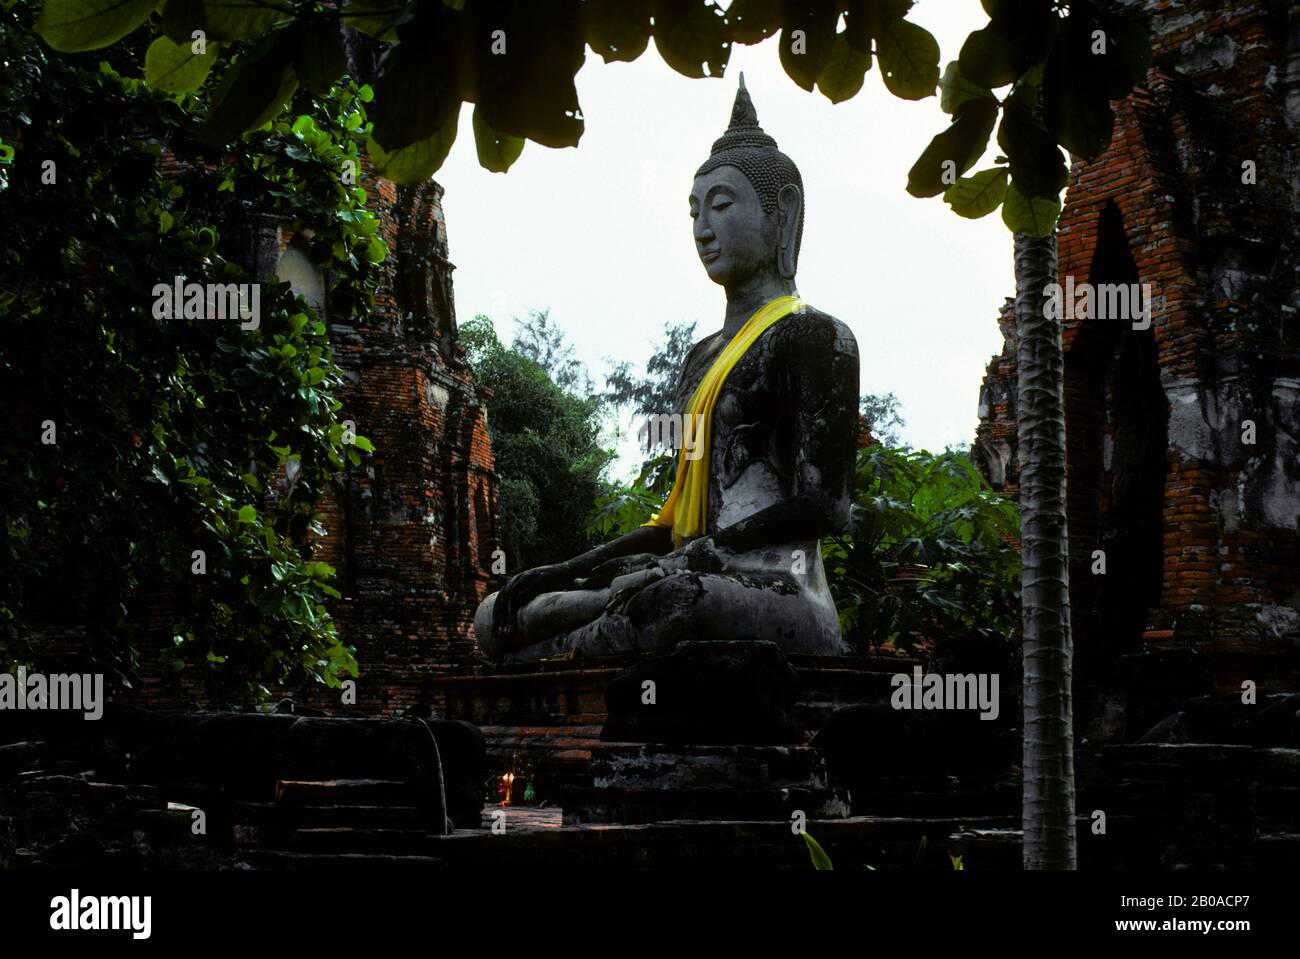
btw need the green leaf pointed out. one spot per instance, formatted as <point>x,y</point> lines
<point>1076,107</point>
<point>820,860</point>
<point>377,18</point>
<point>247,514</point>
<point>376,250</point>
<point>417,162</point>
<point>175,68</point>
<point>691,36</point>
<point>978,195</point>
<point>318,58</point>
<point>807,40</point>
<point>954,89</point>
<point>1034,216</point>
<point>251,93</point>
<point>617,29</point>
<point>754,20</point>
<point>181,18</point>
<point>361,443</point>
<point>962,144</point>
<point>243,19</point>
<point>845,71</point>
<point>70,26</point>
<point>1036,162</point>
<point>496,150</point>
<point>988,59</point>
<point>909,60</point>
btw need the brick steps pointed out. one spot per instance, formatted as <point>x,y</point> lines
<point>349,816</point>
<point>342,840</point>
<point>310,861</point>
<point>343,792</point>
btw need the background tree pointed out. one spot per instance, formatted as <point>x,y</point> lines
<point>884,418</point>
<point>1064,61</point>
<point>541,341</point>
<point>547,445</point>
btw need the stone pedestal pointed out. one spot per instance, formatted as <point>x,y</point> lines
<point>554,716</point>
<point>642,783</point>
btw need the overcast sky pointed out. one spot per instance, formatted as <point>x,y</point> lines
<point>601,234</point>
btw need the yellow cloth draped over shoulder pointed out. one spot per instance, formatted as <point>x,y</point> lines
<point>687,509</point>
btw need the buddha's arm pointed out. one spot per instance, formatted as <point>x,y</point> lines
<point>820,374</point>
<point>530,583</point>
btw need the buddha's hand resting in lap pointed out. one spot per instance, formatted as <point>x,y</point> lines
<point>701,555</point>
<point>524,587</point>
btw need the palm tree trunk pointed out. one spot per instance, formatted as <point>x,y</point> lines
<point>1048,812</point>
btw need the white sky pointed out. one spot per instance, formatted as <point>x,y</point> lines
<point>601,234</point>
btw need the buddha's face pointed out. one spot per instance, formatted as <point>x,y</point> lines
<point>735,239</point>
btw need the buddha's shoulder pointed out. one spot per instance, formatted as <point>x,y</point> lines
<point>811,325</point>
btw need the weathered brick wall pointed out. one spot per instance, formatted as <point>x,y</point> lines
<point>411,531</point>
<point>1199,527</point>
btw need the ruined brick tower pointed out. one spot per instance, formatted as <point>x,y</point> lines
<point>412,530</point>
<point>1182,439</point>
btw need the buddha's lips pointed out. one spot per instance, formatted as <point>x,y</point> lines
<point>709,256</point>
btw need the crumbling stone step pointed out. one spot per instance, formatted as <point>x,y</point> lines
<point>1277,808</point>
<point>1279,849</point>
<point>343,792</point>
<point>630,805</point>
<point>1279,766</point>
<point>852,844</point>
<point>522,817</point>
<point>364,841</point>
<point>280,859</point>
<point>996,848</point>
<point>964,802</point>
<point>350,816</point>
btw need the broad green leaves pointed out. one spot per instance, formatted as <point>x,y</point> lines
<point>175,67</point>
<point>74,25</point>
<point>1034,216</point>
<point>243,19</point>
<point>909,60</point>
<point>933,514</point>
<point>954,89</point>
<point>953,152</point>
<point>515,61</point>
<point>417,161</point>
<point>691,36</point>
<point>496,150</point>
<point>251,93</point>
<point>617,29</point>
<point>845,71</point>
<point>318,56</point>
<point>1064,70</point>
<point>978,195</point>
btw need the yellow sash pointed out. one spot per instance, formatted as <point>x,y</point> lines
<point>687,509</point>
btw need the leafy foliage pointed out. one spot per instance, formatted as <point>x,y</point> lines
<point>1064,60</point>
<point>930,555</point>
<point>546,441</point>
<point>655,392</point>
<point>171,435</point>
<point>515,60</point>
<point>623,508</point>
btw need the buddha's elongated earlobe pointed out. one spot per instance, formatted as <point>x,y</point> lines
<point>789,205</point>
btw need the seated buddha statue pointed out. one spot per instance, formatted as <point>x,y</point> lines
<point>734,553</point>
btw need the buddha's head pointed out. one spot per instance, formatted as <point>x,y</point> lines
<point>747,204</point>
